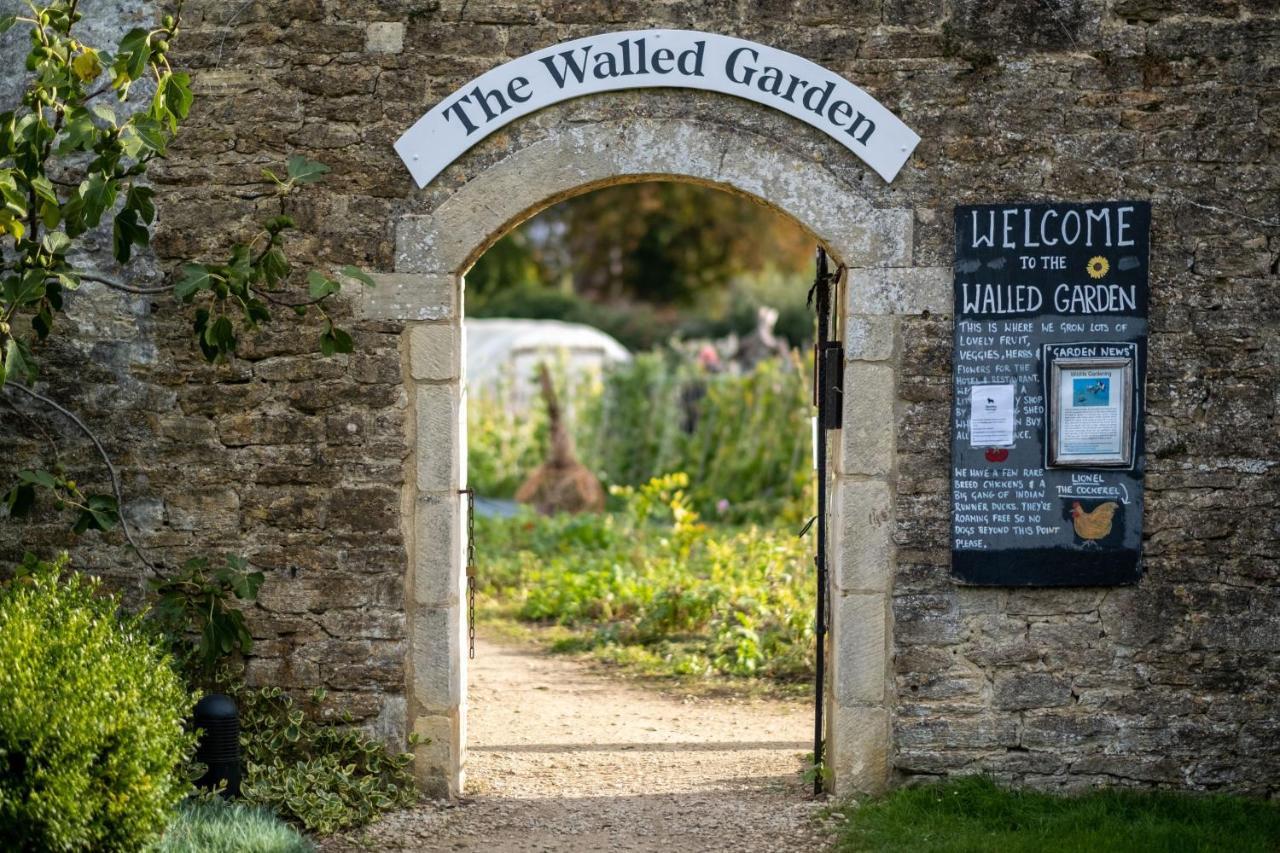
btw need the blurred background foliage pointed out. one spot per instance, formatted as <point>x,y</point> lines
<point>649,261</point>
<point>703,438</point>
<point>744,440</point>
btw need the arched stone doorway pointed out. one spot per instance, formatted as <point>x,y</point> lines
<point>722,143</point>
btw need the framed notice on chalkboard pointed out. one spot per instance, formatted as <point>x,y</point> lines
<point>1090,412</point>
<point>1048,374</point>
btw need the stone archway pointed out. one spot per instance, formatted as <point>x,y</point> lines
<point>435,248</point>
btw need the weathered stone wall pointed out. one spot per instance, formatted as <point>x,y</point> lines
<point>299,462</point>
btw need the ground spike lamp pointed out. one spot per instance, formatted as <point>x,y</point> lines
<point>218,720</point>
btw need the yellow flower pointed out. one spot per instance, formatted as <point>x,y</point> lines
<point>1097,266</point>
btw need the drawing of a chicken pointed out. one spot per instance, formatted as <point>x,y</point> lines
<point>1094,524</point>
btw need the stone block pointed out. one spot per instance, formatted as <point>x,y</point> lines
<point>900,290</point>
<point>434,353</point>
<point>437,764</point>
<point>441,245</point>
<point>213,509</point>
<point>384,37</point>
<point>436,653</point>
<point>868,337</point>
<point>857,235</point>
<point>867,435</point>
<point>410,296</point>
<point>945,732</point>
<point>248,429</point>
<point>863,553</point>
<point>438,446</point>
<point>371,509</point>
<point>390,724</point>
<point>1019,691</point>
<point>859,666</point>
<point>438,549</point>
<point>858,749</point>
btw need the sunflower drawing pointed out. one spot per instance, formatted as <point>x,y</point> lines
<point>1097,266</point>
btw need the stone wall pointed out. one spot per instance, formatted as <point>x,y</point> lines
<point>299,462</point>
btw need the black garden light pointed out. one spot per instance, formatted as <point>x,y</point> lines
<point>219,746</point>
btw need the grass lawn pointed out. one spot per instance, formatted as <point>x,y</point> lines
<point>216,826</point>
<point>974,814</point>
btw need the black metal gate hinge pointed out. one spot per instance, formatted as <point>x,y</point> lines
<point>833,385</point>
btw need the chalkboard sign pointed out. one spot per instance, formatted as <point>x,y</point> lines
<point>1049,368</point>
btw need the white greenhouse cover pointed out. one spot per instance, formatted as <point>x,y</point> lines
<point>503,355</point>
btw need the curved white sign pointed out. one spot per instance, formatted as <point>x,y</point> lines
<point>657,58</point>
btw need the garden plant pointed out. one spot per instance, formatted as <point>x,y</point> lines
<point>92,742</point>
<point>653,588</point>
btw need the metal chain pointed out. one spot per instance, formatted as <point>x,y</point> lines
<point>471,572</point>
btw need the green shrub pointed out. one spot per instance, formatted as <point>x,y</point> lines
<point>325,777</point>
<point>91,719</point>
<point>213,825</point>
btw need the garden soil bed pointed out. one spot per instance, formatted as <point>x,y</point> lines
<point>565,758</point>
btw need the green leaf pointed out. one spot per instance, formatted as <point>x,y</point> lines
<point>42,322</point>
<point>105,112</point>
<point>56,243</point>
<point>78,131</point>
<point>127,232</point>
<point>359,275</point>
<point>304,171</point>
<point>50,214</point>
<point>174,95</point>
<point>98,194</point>
<point>201,325</point>
<point>320,285</point>
<point>336,341</point>
<point>53,292</point>
<point>195,277</point>
<point>256,312</point>
<point>221,334</point>
<point>38,477</point>
<point>16,361</point>
<point>141,199</point>
<point>20,499</point>
<point>86,65</point>
<point>131,58</point>
<point>6,22</point>
<point>100,513</point>
<point>28,289</point>
<point>274,266</point>
<point>43,188</point>
<point>143,134</point>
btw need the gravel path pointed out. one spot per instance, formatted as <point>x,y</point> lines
<point>565,758</point>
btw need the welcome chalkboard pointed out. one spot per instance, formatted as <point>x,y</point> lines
<point>1049,371</point>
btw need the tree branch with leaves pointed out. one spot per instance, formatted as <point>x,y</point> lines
<point>74,155</point>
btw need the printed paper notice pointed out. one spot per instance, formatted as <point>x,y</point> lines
<point>1092,412</point>
<point>991,416</point>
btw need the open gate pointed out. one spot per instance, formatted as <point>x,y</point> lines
<point>828,388</point>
